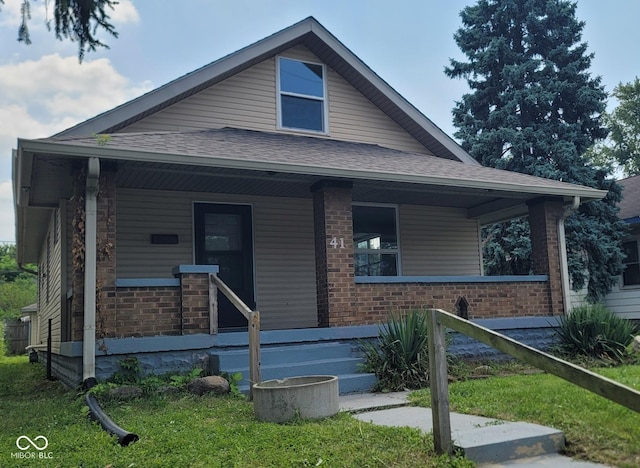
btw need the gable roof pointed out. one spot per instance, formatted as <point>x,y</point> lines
<point>310,33</point>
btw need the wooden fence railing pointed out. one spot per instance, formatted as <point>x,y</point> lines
<point>439,320</point>
<point>252,316</point>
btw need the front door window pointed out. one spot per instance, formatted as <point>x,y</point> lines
<point>224,238</point>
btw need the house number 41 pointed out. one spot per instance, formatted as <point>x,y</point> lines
<point>337,243</point>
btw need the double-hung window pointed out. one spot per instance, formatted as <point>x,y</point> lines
<point>631,274</point>
<point>301,95</point>
<point>375,241</point>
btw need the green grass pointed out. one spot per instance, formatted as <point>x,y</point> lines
<point>182,430</point>
<point>595,428</point>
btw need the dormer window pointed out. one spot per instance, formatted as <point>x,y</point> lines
<point>301,95</point>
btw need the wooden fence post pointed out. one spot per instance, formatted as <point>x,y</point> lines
<point>439,385</point>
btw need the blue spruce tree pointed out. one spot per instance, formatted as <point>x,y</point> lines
<point>534,108</point>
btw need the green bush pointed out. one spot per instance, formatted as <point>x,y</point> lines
<point>400,357</point>
<point>596,332</point>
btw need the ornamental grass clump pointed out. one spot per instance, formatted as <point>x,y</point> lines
<point>399,357</point>
<point>594,331</point>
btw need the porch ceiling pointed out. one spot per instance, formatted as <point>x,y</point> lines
<point>55,183</point>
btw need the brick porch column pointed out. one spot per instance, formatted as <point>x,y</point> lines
<point>333,226</point>
<point>106,253</point>
<point>545,255</point>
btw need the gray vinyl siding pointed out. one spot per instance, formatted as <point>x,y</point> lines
<point>283,247</point>
<point>142,213</point>
<point>49,305</point>
<point>625,302</point>
<point>437,241</point>
<point>248,100</point>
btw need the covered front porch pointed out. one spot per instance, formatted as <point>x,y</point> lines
<point>331,259</point>
<point>315,234</point>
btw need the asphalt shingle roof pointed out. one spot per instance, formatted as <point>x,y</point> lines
<point>310,154</point>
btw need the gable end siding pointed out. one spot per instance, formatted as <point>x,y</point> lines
<point>248,100</point>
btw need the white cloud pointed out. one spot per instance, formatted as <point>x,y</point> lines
<point>7,223</point>
<point>64,87</point>
<point>42,97</point>
<point>124,12</point>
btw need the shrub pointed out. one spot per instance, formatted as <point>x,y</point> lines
<point>130,371</point>
<point>399,358</point>
<point>594,331</point>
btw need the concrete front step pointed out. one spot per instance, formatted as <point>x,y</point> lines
<point>239,358</point>
<point>337,366</point>
<point>482,440</point>
<point>279,362</point>
<point>508,441</point>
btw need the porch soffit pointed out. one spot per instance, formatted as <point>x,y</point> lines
<point>55,182</point>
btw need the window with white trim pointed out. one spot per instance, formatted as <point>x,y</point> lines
<point>301,95</point>
<point>375,241</point>
<point>631,273</point>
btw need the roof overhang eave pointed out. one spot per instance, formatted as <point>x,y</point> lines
<point>85,151</point>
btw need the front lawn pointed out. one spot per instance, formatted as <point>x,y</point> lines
<point>183,430</point>
<point>595,428</point>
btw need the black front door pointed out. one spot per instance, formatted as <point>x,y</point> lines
<point>223,237</point>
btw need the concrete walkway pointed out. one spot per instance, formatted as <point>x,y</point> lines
<point>489,442</point>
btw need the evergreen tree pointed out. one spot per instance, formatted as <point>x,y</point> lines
<point>534,108</point>
<point>76,20</point>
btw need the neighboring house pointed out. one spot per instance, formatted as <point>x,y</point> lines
<point>624,298</point>
<point>324,199</point>
<point>29,314</point>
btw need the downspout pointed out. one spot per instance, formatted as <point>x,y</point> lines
<point>562,246</point>
<point>89,332</point>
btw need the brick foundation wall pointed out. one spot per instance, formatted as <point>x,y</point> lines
<point>486,300</point>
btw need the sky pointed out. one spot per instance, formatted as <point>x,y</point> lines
<point>44,89</point>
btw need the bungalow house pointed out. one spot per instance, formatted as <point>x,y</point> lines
<point>320,195</point>
<point>624,298</point>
